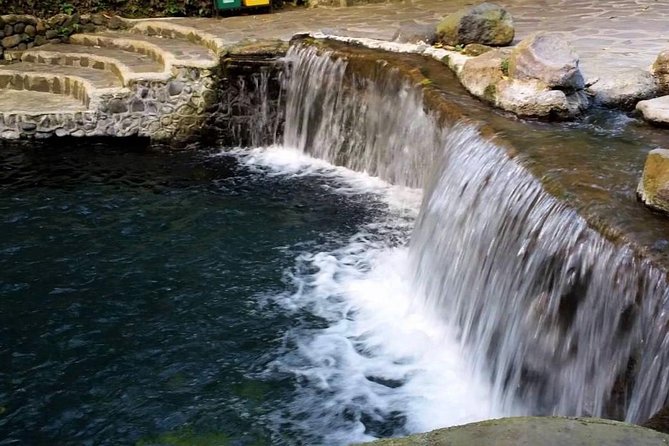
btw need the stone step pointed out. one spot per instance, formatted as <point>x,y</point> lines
<point>37,103</point>
<point>171,53</point>
<point>126,65</point>
<point>80,83</point>
<point>175,28</point>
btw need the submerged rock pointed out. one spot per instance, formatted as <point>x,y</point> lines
<point>487,23</point>
<point>659,421</point>
<point>548,58</point>
<point>653,188</point>
<point>655,110</point>
<point>535,431</point>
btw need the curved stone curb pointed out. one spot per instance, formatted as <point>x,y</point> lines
<point>170,29</point>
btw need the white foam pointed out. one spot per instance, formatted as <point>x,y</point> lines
<point>287,161</point>
<point>379,356</point>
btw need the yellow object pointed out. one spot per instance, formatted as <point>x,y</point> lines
<point>256,2</point>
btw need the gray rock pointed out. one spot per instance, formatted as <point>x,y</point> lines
<point>19,27</point>
<point>8,30</point>
<point>98,19</point>
<point>57,20</point>
<point>414,32</point>
<point>548,58</point>
<point>485,76</point>
<point>11,41</point>
<point>117,106</point>
<point>10,134</point>
<point>175,88</point>
<point>116,23</point>
<point>624,88</point>
<point>655,110</point>
<point>22,46</point>
<point>660,70</point>
<point>28,126</point>
<point>30,30</point>
<point>40,40</point>
<point>51,34</point>
<point>481,75</point>
<point>487,23</point>
<point>71,21</point>
<point>653,188</point>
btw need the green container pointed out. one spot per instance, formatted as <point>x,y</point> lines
<point>222,5</point>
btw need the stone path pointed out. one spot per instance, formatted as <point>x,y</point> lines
<point>610,37</point>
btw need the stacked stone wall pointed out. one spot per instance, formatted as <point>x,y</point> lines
<point>19,32</point>
<point>171,110</point>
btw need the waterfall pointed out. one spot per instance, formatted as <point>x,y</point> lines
<point>563,320</point>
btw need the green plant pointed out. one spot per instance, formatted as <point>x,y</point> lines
<point>172,7</point>
<point>505,67</point>
<point>67,31</point>
<point>67,8</point>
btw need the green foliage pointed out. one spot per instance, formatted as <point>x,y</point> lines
<point>67,31</point>
<point>67,8</point>
<point>126,8</point>
<point>505,67</point>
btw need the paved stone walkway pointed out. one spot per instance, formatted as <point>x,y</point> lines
<point>607,35</point>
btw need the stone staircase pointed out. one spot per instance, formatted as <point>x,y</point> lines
<point>153,79</point>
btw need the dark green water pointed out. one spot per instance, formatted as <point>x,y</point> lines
<point>133,293</point>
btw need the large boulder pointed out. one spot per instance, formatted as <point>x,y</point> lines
<point>548,58</point>
<point>486,23</point>
<point>655,110</point>
<point>660,70</point>
<point>525,91</point>
<point>653,188</point>
<point>624,88</point>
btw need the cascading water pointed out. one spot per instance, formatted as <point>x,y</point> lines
<point>563,321</point>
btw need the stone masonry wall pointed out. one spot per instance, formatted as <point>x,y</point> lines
<point>163,110</point>
<point>19,32</point>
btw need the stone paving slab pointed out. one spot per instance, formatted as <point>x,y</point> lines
<point>35,102</point>
<point>607,35</point>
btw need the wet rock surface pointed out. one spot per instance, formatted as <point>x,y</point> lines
<point>539,77</point>
<point>624,88</point>
<point>653,188</point>
<point>655,110</point>
<point>548,58</point>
